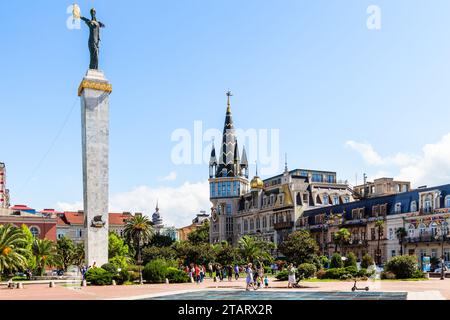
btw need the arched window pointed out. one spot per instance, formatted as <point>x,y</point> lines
<point>427,205</point>
<point>35,231</point>
<point>433,227</point>
<point>422,229</point>
<point>335,199</point>
<point>398,207</point>
<point>411,231</point>
<point>326,199</point>
<point>447,201</point>
<point>413,206</point>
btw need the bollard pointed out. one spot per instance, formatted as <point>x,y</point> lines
<point>52,284</point>
<point>167,281</point>
<point>114,282</point>
<point>19,285</point>
<point>84,283</point>
<point>10,285</point>
<point>192,280</point>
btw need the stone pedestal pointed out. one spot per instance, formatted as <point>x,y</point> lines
<point>94,91</point>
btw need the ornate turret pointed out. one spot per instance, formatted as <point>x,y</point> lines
<point>236,161</point>
<point>226,157</point>
<point>156,218</point>
<point>212,162</point>
<point>244,163</point>
<point>256,182</point>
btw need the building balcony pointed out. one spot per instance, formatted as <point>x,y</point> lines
<point>283,225</point>
<point>426,237</point>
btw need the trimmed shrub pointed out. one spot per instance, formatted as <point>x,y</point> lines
<point>387,275</point>
<point>134,276</point>
<point>418,274</point>
<point>176,276</point>
<point>351,260</point>
<point>111,268</point>
<point>335,273</point>
<point>364,273</point>
<point>351,270</point>
<point>123,276</point>
<point>402,266</point>
<point>99,277</point>
<point>307,270</point>
<point>366,261</point>
<point>282,275</point>
<point>155,271</point>
<point>336,261</point>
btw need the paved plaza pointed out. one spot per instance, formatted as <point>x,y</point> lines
<point>432,289</point>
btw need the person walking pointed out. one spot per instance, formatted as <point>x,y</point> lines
<point>197,274</point>
<point>266,281</point>
<point>249,278</point>
<point>230,272</point>
<point>291,276</point>
<point>210,269</point>
<point>236,272</point>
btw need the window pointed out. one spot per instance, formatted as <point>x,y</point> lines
<point>372,234</point>
<point>391,234</point>
<point>433,227</point>
<point>271,221</point>
<point>35,231</point>
<point>305,198</point>
<point>252,224</point>
<point>258,223</point>
<point>411,231</point>
<point>264,222</point>
<point>326,199</point>
<point>413,206</point>
<point>335,200</point>
<point>219,189</point>
<point>330,178</point>
<point>434,253</point>
<point>398,207</point>
<point>427,204</point>
<point>235,188</point>
<point>228,189</point>
<point>245,225</point>
<point>346,199</point>
<point>223,189</point>
<point>228,208</point>
<point>447,201</point>
<point>376,211</point>
<point>317,177</point>
<point>392,253</point>
<point>213,189</point>
<point>421,229</point>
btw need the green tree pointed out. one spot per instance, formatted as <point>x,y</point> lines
<point>188,253</point>
<point>66,250</point>
<point>379,225</point>
<point>45,254</point>
<point>336,261</point>
<point>401,235</point>
<point>366,261</point>
<point>402,266</point>
<point>13,254</point>
<point>153,252</point>
<point>31,262</point>
<point>254,250</point>
<point>161,240</point>
<point>351,260</point>
<point>225,254</point>
<point>299,248</point>
<point>138,231</point>
<point>341,237</point>
<point>118,251</point>
<point>200,235</point>
<point>78,255</point>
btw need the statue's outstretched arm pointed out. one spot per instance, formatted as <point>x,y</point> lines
<point>102,25</point>
<point>85,20</point>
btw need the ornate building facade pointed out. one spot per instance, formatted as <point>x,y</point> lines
<point>268,209</point>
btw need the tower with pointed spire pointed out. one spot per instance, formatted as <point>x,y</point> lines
<point>228,180</point>
<point>157,221</point>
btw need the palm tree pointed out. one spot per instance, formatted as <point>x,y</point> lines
<point>401,235</point>
<point>45,254</point>
<point>341,237</point>
<point>254,250</point>
<point>13,254</point>
<point>138,231</point>
<point>379,225</point>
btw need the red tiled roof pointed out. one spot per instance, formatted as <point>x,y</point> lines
<point>118,218</point>
<point>20,207</point>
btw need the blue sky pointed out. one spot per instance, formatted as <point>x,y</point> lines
<point>344,97</point>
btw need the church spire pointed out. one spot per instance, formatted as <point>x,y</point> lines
<point>227,149</point>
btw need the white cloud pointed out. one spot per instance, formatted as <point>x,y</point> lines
<point>177,205</point>
<point>172,176</point>
<point>430,167</point>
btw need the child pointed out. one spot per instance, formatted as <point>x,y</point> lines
<point>266,282</point>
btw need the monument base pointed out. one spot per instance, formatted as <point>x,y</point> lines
<point>94,91</point>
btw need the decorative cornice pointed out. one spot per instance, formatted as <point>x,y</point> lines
<point>88,84</point>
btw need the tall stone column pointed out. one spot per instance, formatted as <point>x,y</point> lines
<point>94,91</point>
